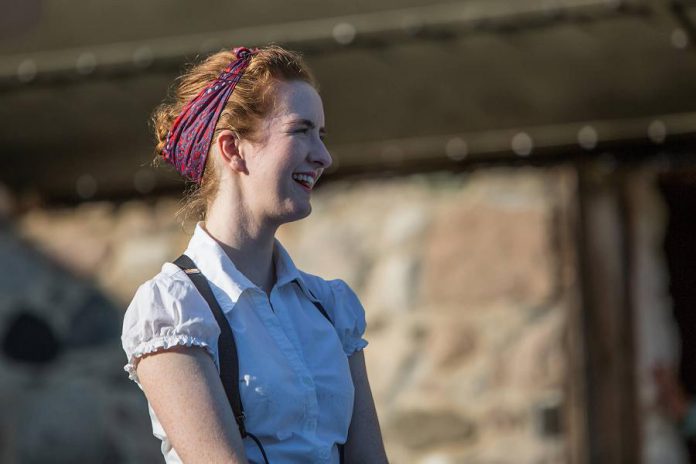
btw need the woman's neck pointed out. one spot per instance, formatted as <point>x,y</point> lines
<point>248,244</point>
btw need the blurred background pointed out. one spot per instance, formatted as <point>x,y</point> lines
<point>513,197</point>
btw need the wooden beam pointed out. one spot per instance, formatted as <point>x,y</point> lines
<point>391,26</point>
<point>607,316</point>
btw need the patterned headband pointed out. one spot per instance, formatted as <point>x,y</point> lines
<point>189,138</point>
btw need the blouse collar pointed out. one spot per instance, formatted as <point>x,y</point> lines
<point>219,269</point>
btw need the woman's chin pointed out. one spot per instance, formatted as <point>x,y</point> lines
<point>304,212</point>
<point>297,213</point>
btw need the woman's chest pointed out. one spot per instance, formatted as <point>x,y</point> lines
<point>293,373</point>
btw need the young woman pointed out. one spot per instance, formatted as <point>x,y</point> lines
<point>247,127</point>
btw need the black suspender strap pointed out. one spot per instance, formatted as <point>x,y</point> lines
<point>227,348</point>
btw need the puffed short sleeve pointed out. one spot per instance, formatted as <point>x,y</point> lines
<point>348,316</point>
<point>166,312</point>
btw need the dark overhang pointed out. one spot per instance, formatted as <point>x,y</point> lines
<point>407,85</point>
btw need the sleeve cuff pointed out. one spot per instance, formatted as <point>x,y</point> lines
<point>353,346</point>
<point>162,344</point>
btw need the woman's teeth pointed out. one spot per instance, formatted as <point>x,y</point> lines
<point>304,179</point>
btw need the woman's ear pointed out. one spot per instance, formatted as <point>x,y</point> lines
<point>228,146</point>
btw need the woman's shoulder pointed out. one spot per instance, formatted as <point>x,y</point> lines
<point>170,294</point>
<point>343,307</point>
<point>170,284</point>
<point>170,279</point>
<point>166,311</point>
<point>325,290</point>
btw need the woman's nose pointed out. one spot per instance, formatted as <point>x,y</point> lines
<point>321,155</point>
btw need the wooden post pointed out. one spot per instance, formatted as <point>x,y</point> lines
<point>606,316</point>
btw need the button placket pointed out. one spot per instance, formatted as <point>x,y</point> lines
<point>284,317</point>
<point>263,307</point>
<point>289,331</point>
<point>276,330</point>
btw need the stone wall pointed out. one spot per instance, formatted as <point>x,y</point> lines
<point>63,396</point>
<point>466,282</point>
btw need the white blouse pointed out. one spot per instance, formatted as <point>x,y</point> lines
<point>295,381</point>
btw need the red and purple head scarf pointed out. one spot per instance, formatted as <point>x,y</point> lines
<point>189,138</point>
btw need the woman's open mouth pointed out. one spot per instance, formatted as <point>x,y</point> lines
<point>305,180</point>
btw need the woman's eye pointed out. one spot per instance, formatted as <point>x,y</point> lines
<point>302,131</point>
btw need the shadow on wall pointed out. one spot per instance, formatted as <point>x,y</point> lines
<point>63,393</point>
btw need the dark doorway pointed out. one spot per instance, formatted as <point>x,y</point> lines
<point>679,191</point>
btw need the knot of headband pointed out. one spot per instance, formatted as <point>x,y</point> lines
<point>189,138</point>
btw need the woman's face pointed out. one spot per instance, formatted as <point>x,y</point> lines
<point>285,164</point>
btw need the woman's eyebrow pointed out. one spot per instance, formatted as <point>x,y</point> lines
<point>307,123</point>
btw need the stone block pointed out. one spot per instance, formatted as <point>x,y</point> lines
<point>419,429</point>
<point>479,253</point>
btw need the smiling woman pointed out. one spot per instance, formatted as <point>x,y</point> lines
<point>243,357</point>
